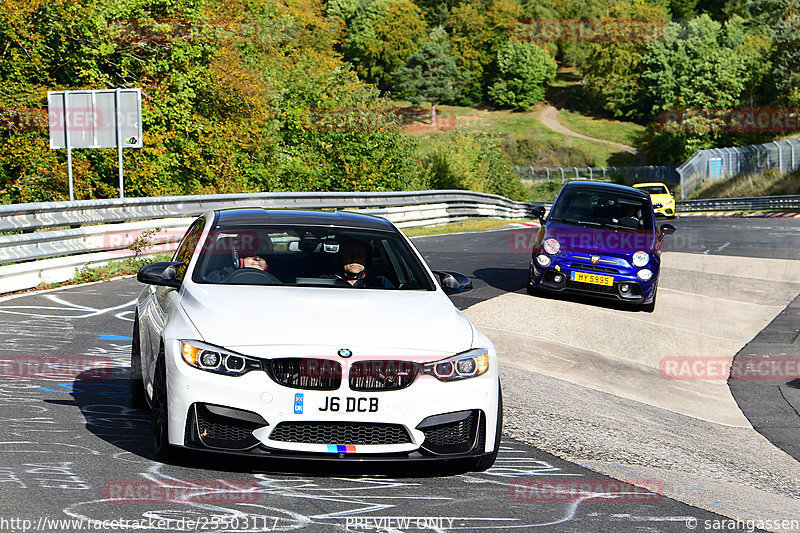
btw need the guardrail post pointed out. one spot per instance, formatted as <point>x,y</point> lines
<point>562,174</point>
<point>577,177</point>
<point>604,173</point>
<point>548,173</point>
<point>590,173</point>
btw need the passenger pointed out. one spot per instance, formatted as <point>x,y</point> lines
<point>352,257</point>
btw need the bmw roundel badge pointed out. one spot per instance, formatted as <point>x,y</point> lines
<point>344,352</point>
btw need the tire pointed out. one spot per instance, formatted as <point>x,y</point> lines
<point>485,463</point>
<point>138,400</point>
<point>649,308</point>
<point>164,451</point>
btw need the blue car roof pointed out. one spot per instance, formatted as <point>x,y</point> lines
<point>599,185</point>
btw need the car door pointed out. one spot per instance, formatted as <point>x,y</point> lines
<point>155,311</point>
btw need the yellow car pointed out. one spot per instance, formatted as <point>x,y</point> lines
<point>662,199</point>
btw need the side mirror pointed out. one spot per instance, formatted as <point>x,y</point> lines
<point>163,274</point>
<point>453,282</point>
<point>667,229</point>
<point>538,212</point>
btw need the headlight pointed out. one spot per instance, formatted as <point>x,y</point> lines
<point>644,274</point>
<point>551,246</point>
<point>640,259</point>
<point>462,366</point>
<point>543,260</point>
<point>217,360</point>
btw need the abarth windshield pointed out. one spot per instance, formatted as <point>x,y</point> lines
<point>309,256</point>
<point>602,208</point>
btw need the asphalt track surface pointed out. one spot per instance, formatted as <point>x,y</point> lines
<point>70,444</point>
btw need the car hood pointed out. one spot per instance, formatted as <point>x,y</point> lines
<point>574,238</point>
<point>253,318</point>
<point>660,198</point>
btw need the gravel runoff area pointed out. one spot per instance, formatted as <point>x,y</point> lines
<point>581,380</point>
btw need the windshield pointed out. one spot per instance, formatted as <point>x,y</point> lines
<point>654,189</point>
<point>309,256</point>
<point>602,208</point>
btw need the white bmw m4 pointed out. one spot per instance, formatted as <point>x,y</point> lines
<point>311,335</point>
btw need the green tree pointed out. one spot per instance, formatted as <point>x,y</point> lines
<point>230,91</point>
<point>382,36</point>
<point>523,71</point>
<point>472,161</point>
<point>780,19</point>
<point>471,45</point>
<point>699,66</point>
<point>612,69</point>
<point>431,74</point>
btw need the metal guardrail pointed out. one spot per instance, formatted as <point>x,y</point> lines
<point>29,217</point>
<point>91,232</point>
<point>758,203</point>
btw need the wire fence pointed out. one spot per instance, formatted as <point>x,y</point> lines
<point>719,163</point>
<point>626,175</point>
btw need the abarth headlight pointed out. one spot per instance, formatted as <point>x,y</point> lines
<point>551,246</point>
<point>218,360</point>
<point>461,366</point>
<point>640,259</point>
<point>543,260</point>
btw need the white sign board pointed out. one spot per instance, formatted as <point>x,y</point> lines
<point>95,119</point>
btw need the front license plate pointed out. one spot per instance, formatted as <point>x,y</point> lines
<point>349,404</point>
<point>596,279</point>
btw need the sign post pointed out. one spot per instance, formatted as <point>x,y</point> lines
<point>107,118</point>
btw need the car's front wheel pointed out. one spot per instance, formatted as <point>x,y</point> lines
<point>164,451</point>
<point>138,400</point>
<point>649,308</point>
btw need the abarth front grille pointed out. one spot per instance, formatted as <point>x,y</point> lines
<point>340,433</point>
<point>594,268</point>
<point>305,373</point>
<point>382,375</point>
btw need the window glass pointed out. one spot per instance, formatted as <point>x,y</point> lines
<point>188,244</point>
<point>592,207</point>
<point>310,256</point>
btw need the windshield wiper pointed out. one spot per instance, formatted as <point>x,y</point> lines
<point>577,222</point>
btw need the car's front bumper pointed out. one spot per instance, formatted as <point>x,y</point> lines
<point>667,210</point>
<point>560,276</point>
<point>383,424</point>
